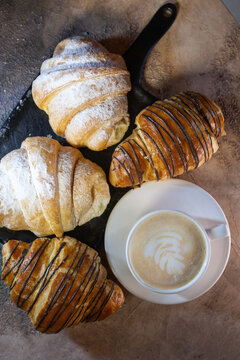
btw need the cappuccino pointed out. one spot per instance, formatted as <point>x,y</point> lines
<point>167,250</point>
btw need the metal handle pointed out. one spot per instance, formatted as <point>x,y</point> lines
<point>138,52</point>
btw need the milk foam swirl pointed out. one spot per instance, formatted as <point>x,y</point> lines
<point>165,249</point>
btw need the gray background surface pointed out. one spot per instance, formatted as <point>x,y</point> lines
<point>234,7</point>
<point>201,52</point>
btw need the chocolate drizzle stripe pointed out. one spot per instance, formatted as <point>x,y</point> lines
<point>124,151</point>
<point>50,324</point>
<point>24,252</point>
<point>149,156</point>
<point>77,320</point>
<point>200,101</point>
<point>172,140</point>
<point>144,153</point>
<point>105,302</point>
<point>173,137</point>
<point>198,104</point>
<point>158,149</point>
<point>182,129</point>
<point>91,302</point>
<point>75,317</point>
<point>149,119</point>
<point>35,254</point>
<point>63,284</point>
<point>93,314</point>
<point>191,124</point>
<point>20,260</point>
<point>127,156</point>
<point>46,242</point>
<point>54,320</point>
<point>44,278</point>
<point>200,112</point>
<point>197,122</point>
<point>135,154</point>
<point>46,284</point>
<point>128,173</point>
<point>215,114</point>
<point>96,299</point>
<point>11,254</point>
<point>13,283</point>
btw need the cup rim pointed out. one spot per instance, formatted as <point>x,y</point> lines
<point>195,278</point>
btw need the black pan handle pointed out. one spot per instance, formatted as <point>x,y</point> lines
<point>136,56</point>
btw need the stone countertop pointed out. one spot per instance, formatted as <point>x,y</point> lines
<point>200,52</point>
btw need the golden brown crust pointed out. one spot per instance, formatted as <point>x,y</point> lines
<point>12,258</point>
<point>50,188</point>
<point>59,282</point>
<point>172,137</point>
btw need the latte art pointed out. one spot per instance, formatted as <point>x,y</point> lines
<point>167,250</point>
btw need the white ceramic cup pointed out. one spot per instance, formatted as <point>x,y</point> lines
<point>206,236</point>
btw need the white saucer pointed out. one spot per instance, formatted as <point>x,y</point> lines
<point>170,194</point>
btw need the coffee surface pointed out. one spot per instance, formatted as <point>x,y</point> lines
<point>167,250</point>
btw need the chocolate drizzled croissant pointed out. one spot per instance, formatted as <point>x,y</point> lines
<point>172,137</point>
<point>59,282</point>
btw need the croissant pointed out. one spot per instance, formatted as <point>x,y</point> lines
<point>49,189</point>
<point>59,282</point>
<point>83,89</point>
<point>172,137</point>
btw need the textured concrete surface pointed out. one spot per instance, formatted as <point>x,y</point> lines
<point>200,52</point>
<point>31,29</point>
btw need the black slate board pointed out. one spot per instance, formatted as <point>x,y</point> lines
<point>27,120</point>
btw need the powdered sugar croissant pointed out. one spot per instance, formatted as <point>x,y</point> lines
<point>83,89</point>
<point>59,282</point>
<point>49,189</point>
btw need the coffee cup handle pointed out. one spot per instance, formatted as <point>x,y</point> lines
<point>217,232</point>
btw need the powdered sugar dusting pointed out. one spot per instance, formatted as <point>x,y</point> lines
<point>44,181</point>
<point>78,44</point>
<point>77,96</point>
<point>92,120</point>
<point>16,166</point>
<point>8,201</point>
<point>82,188</point>
<point>80,75</point>
<point>28,184</point>
<point>66,163</point>
<point>10,212</point>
